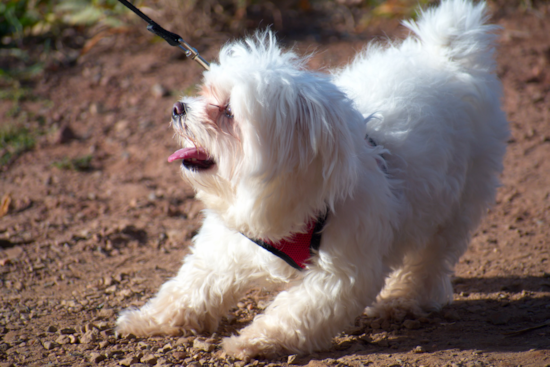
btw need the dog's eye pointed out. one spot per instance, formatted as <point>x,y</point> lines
<point>228,113</point>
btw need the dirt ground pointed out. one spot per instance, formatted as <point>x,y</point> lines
<point>77,245</point>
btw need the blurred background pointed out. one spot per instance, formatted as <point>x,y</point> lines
<point>41,36</point>
<point>46,30</point>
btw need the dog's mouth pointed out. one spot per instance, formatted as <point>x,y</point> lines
<point>194,159</point>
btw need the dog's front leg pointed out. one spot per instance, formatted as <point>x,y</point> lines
<point>213,277</point>
<point>307,316</point>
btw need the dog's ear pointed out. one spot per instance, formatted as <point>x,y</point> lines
<point>324,128</point>
<point>304,132</point>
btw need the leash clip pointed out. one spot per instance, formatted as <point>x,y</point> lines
<point>192,53</point>
<point>172,38</point>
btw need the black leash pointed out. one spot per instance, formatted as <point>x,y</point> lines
<point>172,38</point>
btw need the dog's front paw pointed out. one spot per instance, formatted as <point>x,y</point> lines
<point>140,323</point>
<point>245,347</point>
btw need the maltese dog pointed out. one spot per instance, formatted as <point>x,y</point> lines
<point>358,191</point>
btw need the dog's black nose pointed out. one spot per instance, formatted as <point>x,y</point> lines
<point>180,109</point>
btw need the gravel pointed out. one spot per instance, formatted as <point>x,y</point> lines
<point>74,252</point>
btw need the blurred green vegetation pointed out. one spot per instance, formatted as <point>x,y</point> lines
<point>80,164</point>
<point>20,130</point>
<point>30,30</point>
<point>14,140</point>
<point>23,18</point>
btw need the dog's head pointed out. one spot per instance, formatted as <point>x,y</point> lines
<point>267,144</point>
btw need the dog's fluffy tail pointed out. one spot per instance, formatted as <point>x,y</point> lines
<point>458,29</point>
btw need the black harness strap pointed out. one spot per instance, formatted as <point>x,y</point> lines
<point>275,251</point>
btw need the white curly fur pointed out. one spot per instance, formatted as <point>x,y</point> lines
<point>296,146</point>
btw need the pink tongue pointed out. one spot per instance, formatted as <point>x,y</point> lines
<point>189,153</point>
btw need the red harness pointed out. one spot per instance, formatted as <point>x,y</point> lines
<point>298,248</point>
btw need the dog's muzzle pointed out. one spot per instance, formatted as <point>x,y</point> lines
<point>197,158</point>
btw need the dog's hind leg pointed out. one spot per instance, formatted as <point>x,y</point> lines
<point>423,282</point>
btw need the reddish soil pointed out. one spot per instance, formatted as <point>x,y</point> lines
<point>76,247</point>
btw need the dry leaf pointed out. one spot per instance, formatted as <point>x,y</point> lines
<point>5,205</point>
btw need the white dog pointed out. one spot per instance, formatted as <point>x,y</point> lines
<point>356,189</point>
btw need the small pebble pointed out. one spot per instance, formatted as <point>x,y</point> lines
<point>159,91</point>
<point>88,327</point>
<point>418,349</point>
<point>104,344</point>
<point>179,355</point>
<point>130,336</point>
<point>108,281</point>
<point>166,348</point>
<point>4,262</point>
<point>115,353</point>
<point>67,330</point>
<point>106,334</point>
<point>106,313</point>
<point>89,337</point>
<point>203,345</point>
<point>128,361</point>
<point>111,289</point>
<point>97,357</point>
<point>62,340</point>
<point>49,345</point>
<point>65,134</point>
<point>125,293</point>
<point>102,325</point>
<point>121,126</point>
<point>149,359</point>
